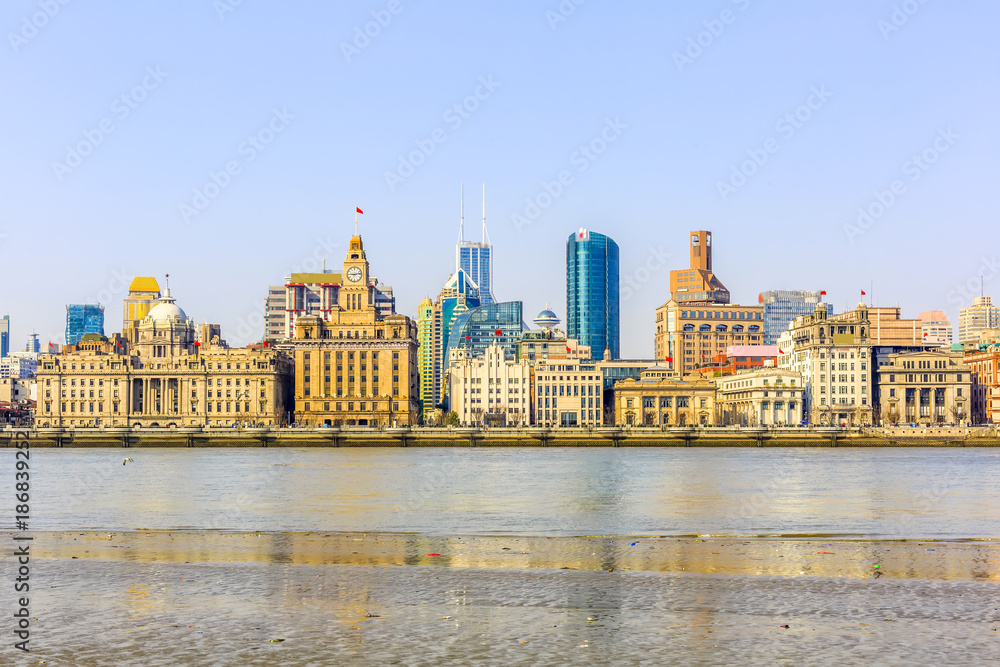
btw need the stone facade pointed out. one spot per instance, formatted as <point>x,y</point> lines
<point>926,388</point>
<point>984,364</point>
<point>762,397</point>
<point>568,392</point>
<point>657,399</point>
<point>355,365</point>
<point>493,389</point>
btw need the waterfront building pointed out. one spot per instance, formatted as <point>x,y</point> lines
<point>166,378</point>
<point>931,387</point>
<point>698,283</point>
<point>355,365</point>
<point>4,336</point>
<point>766,396</point>
<point>479,328</point>
<point>16,389</point>
<point>143,294</point>
<point>475,258</point>
<point>660,398</point>
<point>83,319</point>
<point>492,389</point>
<point>936,329</point>
<point>592,294</point>
<point>568,392</point>
<point>833,357</point>
<point>549,342</point>
<point>274,313</point>
<point>428,375</point>
<point>983,361</point>
<point>781,307</point>
<point>739,358</point>
<point>978,317</point>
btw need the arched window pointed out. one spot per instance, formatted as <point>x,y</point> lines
<point>737,328</point>
<point>754,328</point>
<point>688,327</point>
<point>705,327</point>
<point>721,327</point>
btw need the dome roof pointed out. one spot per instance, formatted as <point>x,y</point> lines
<point>166,309</point>
<point>546,319</point>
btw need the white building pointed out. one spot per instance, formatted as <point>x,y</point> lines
<point>493,389</point>
<point>568,393</point>
<point>17,390</point>
<point>767,396</point>
<point>978,317</point>
<point>936,328</point>
<point>19,365</point>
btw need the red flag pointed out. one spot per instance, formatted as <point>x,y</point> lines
<point>569,350</point>
<point>468,338</point>
<point>266,344</point>
<point>358,210</point>
<point>499,332</point>
<point>863,292</point>
<point>925,335</point>
<point>780,351</point>
<point>197,344</point>
<point>822,292</point>
<point>670,359</point>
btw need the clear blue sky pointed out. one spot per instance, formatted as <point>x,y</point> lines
<point>682,125</point>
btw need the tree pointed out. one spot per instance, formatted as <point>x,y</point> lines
<point>451,419</point>
<point>958,412</point>
<point>649,419</point>
<point>891,414</point>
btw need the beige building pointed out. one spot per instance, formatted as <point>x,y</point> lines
<point>887,328</point>
<point>692,334</point>
<point>568,392</point>
<point>978,317</point>
<point>658,398</point>
<point>984,363</point>
<point>355,365</point>
<point>933,387</point>
<point>165,379</point>
<point>833,357</point>
<point>764,397</point>
<point>143,294</point>
<point>493,389</point>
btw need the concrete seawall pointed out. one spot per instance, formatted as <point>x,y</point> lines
<point>497,437</point>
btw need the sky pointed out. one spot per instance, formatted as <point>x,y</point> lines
<point>837,145</point>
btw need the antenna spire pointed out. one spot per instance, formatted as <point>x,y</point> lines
<point>461,223</point>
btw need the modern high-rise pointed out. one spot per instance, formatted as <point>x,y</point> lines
<point>477,329</point>
<point>33,345</point>
<point>434,325</point>
<point>936,328</point>
<point>977,318</point>
<point>4,336</point>
<point>781,307</point>
<point>475,258</point>
<point>592,296</point>
<point>83,318</point>
<point>274,313</point>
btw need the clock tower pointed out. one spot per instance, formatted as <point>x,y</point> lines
<point>357,298</point>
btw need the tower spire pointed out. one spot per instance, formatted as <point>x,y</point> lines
<point>461,220</point>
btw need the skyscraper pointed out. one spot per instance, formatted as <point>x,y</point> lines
<point>781,307</point>
<point>592,297</point>
<point>142,296</point>
<point>977,318</point>
<point>82,319</point>
<point>476,257</point>
<point>4,336</point>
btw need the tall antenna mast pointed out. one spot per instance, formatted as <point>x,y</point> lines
<point>461,223</point>
<point>484,213</point>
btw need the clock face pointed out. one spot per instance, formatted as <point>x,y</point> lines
<point>354,274</point>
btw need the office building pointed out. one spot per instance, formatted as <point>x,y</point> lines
<point>568,392</point>
<point>479,328</point>
<point>926,388</point>
<point>354,365</point>
<point>492,389</point>
<point>4,336</point>
<point>766,396</point>
<point>33,345</point>
<point>83,319</point>
<point>19,364</point>
<point>592,295</point>
<point>475,258</point>
<point>984,364</point>
<point>978,317</point>
<point>833,357</point>
<point>698,283</point>
<point>936,329</point>
<point>781,307</point>
<point>166,378</point>
<point>274,313</point>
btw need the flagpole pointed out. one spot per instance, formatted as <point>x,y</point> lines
<point>355,220</point>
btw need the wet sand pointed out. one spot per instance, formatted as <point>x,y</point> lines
<point>202,597</point>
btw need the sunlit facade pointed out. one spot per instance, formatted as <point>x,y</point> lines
<point>592,293</point>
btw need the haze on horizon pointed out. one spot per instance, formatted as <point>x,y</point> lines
<point>899,102</point>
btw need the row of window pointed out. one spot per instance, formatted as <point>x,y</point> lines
<point>363,406</point>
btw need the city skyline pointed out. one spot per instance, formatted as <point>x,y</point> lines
<point>642,135</point>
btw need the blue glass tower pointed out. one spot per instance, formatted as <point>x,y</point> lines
<point>478,328</point>
<point>4,335</point>
<point>781,307</point>
<point>592,298</point>
<point>82,319</point>
<point>476,257</point>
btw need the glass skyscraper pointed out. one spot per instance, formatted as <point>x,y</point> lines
<point>83,318</point>
<point>476,260</point>
<point>4,335</point>
<point>781,307</point>
<point>478,328</point>
<point>592,297</point>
